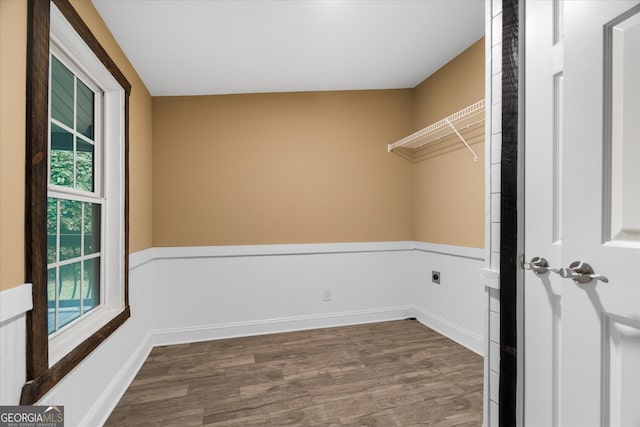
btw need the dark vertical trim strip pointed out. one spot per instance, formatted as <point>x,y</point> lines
<point>36,184</point>
<point>40,377</point>
<point>509,214</point>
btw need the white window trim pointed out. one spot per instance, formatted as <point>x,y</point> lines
<point>64,36</point>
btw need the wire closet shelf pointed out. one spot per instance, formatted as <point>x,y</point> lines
<point>458,123</point>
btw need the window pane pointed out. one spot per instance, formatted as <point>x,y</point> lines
<point>84,165</point>
<point>84,110</point>
<point>69,294</point>
<point>70,228</point>
<point>91,228</point>
<point>52,229</point>
<point>61,92</point>
<point>61,157</point>
<point>91,285</point>
<point>51,299</point>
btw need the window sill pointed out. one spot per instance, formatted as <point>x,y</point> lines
<point>64,342</point>
<point>34,390</point>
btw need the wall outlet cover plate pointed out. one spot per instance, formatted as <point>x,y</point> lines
<point>435,276</point>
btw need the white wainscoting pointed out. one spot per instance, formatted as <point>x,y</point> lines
<point>14,303</point>
<point>180,295</point>
<point>90,392</point>
<point>455,307</point>
<point>208,294</point>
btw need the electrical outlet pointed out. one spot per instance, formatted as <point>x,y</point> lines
<point>435,277</point>
<point>326,294</point>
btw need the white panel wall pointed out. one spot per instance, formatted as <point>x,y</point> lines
<point>90,392</point>
<point>455,306</point>
<point>192,294</point>
<point>14,303</point>
<point>13,360</point>
<point>210,293</point>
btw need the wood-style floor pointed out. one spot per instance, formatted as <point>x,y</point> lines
<point>383,374</point>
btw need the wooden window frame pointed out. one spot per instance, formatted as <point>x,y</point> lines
<point>40,376</point>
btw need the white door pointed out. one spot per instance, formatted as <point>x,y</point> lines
<point>582,203</point>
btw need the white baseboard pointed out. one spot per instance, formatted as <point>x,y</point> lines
<point>272,326</point>
<point>101,410</point>
<point>462,336</point>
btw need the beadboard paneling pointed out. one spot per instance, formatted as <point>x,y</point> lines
<point>90,392</point>
<point>13,364</point>
<point>14,303</point>
<point>455,307</point>
<point>214,290</point>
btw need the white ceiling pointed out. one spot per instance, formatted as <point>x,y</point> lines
<point>194,47</point>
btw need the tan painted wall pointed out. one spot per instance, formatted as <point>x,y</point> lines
<point>266,168</point>
<point>280,168</point>
<point>13,28</point>
<point>313,167</point>
<point>13,62</point>
<point>448,186</point>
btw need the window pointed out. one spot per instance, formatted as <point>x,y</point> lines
<point>77,194</point>
<point>74,205</point>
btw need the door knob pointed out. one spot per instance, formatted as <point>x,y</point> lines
<point>537,264</point>
<point>580,272</point>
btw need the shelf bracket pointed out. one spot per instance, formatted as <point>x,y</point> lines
<point>475,158</point>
